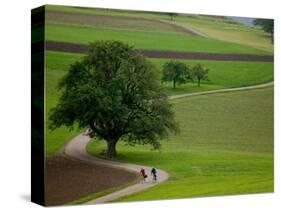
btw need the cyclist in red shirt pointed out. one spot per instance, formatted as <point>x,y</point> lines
<point>142,172</point>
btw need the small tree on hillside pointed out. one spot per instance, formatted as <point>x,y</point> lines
<point>177,72</point>
<point>200,73</point>
<point>172,15</point>
<point>267,25</point>
<point>114,92</point>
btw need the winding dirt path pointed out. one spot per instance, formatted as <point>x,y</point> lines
<point>76,148</point>
<point>223,90</point>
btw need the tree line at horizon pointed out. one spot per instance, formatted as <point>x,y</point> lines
<point>266,25</point>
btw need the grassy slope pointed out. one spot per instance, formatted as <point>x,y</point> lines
<point>214,27</point>
<point>225,147</point>
<point>144,40</point>
<point>57,66</point>
<point>236,33</point>
<point>112,22</point>
<point>98,11</point>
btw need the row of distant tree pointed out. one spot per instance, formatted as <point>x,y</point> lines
<point>180,73</point>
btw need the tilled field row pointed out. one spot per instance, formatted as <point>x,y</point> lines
<point>82,48</point>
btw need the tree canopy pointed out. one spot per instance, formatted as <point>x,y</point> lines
<point>267,25</point>
<point>113,91</point>
<point>200,73</point>
<point>172,15</point>
<point>176,71</point>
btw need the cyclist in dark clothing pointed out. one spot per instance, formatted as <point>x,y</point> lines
<point>154,174</point>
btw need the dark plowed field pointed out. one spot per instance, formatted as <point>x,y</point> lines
<point>81,48</point>
<point>68,179</point>
<point>117,22</point>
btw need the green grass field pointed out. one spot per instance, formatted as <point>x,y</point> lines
<point>100,11</point>
<point>57,66</point>
<point>144,40</point>
<point>225,147</point>
<point>210,26</point>
<point>112,22</point>
<point>223,75</point>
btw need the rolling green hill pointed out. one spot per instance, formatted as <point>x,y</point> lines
<point>144,40</point>
<point>236,33</point>
<point>216,27</point>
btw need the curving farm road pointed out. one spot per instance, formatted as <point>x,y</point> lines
<point>76,148</point>
<point>223,90</point>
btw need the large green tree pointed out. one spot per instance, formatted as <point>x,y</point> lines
<point>177,72</point>
<point>200,73</point>
<point>113,91</point>
<point>267,25</point>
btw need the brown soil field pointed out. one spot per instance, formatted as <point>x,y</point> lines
<point>116,22</point>
<point>81,48</point>
<point>68,179</point>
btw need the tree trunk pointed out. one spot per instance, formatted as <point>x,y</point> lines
<point>174,83</point>
<point>198,82</point>
<point>111,149</point>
